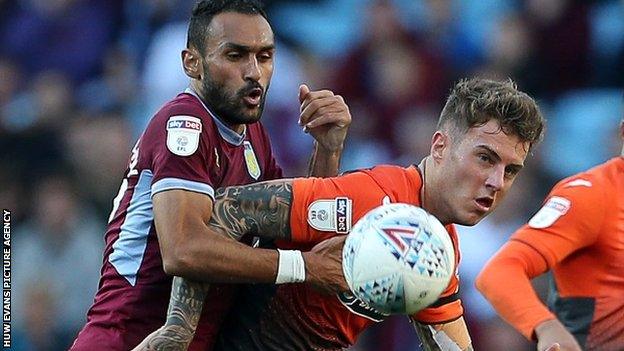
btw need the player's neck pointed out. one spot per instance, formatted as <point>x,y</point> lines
<point>430,201</point>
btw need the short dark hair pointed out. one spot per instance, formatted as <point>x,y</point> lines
<point>473,102</point>
<point>205,10</point>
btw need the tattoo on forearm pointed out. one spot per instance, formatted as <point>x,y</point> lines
<point>185,306</point>
<point>261,209</point>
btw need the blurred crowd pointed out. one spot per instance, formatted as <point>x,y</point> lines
<point>79,79</point>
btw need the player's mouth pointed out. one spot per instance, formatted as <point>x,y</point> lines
<point>253,97</point>
<point>484,203</point>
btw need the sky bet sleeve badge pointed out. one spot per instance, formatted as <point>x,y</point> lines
<point>183,134</point>
<point>252,162</point>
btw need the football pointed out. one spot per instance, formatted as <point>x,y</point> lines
<point>398,259</point>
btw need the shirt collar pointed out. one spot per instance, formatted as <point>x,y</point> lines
<point>226,132</point>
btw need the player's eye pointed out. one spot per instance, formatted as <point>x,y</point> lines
<point>511,172</point>
<point>485,158</point>
<point>265,56</point>
<point>234,55</point>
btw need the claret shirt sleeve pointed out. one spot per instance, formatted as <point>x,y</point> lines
<point>179,146</point>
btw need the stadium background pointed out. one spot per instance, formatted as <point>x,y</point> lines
<point>80,78</point>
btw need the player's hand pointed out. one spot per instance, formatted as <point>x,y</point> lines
<point>325,116</point>
<point>324,266</point>
<point>552,336</point>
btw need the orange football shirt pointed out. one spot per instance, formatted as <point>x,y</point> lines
<point>579,235</point>
<point>326,207</point>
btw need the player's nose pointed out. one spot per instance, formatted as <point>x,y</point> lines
<point>495,179</point>
<point>252,70</point>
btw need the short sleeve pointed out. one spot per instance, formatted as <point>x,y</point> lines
<point>180,157</point>
<point>326,207</point>
<point>570,219</point>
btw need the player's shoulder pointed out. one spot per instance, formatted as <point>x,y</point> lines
<point>393,171</point>
<point>184,104</point>
<point>594,180</point>
<point>402,183</point>
<point>185,111</point>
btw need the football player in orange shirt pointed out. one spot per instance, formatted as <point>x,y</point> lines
<point>578,234</point>
<point>485,132</point>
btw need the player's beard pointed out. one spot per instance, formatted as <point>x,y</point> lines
<point>229,107</point>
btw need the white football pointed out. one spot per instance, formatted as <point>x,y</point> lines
<point>398,259</point>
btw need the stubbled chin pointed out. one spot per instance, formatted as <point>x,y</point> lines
<point>471,219</point>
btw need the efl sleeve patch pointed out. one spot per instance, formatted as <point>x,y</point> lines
<point>183,134</point>
<point>331,215</point>
<point>554,208</point>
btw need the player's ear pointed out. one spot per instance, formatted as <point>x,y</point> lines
<point>191,61</point>
<point>439,144</point>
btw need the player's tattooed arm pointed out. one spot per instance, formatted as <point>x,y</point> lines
<point>257,209</point>
<point>452,336</point>
<point>261,209</point>
<point>185,306</point>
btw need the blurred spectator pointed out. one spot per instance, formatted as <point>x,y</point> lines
<point>143,17</point>
<point>97,148</point>
<point>163,77</point>
<point>66,35</point>
<point>364,148</point>
<point>562,43</point>
<point>412,134</point>
<point>577,141</point>
<point>56,263</point>
<point>115,90</point>
<point>9,82</point>
<point>34,121</point>
<point>607,43</point>
<point>391,70</point>
<point>511,53</point>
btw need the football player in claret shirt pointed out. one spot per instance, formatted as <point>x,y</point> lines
<point>205,138</point>
<point>485,132</point>
<point>578,234</point>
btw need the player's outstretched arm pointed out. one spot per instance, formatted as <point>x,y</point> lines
<point>259,209</point>
<point>452,336</point>
<point>237,211</point>
<point>200,249</point>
